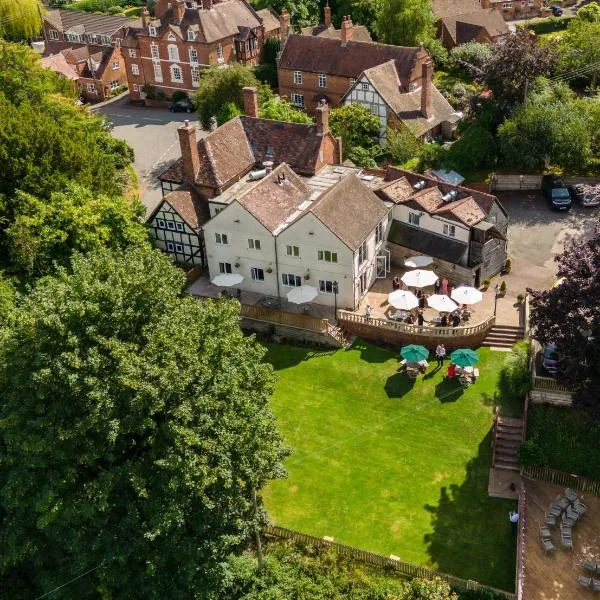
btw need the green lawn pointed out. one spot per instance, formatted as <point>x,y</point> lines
<point>390,465</point>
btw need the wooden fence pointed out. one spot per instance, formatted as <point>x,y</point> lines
<point>406,569</point>
<point>516,182</point>
<point>279,317</point>
<point>563,479</point>
<point>419,330</point>
<point>521,542</point>
<point>548,384</point>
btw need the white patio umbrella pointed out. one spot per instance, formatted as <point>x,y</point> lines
<point>227,279</point>
<point>403,300</point>
<point>416,262</point>
<point>466,295</point>
<point>419,278</point>
<point>302,294</point>
<point>441,303</point>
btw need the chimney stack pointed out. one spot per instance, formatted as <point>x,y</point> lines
<point>250,101</point>
<point>322,119</point>
<point>189,151</point>
<point>327,15</point>
<point>160,8</point>
<point>346,30</point>
<point>485,4</point>
<point>284,24</point>
<point>145,17</point>
<point>178,11</point>
<point>426,74</point>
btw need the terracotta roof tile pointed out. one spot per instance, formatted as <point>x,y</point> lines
<point>327,55</point>
<point>449,8</point>
<point>58,63</point>
<point>189,205</point>
<point>269,18</point>
<point>359,32</point>
<point>398,191</point>
<point>465,27</point>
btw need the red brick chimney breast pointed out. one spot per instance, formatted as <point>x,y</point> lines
<point>189,151</point>
<point>322,119</point>
<point>178,10</point>
<point>250,101</point>
<point>426,75</point>
<point>346,30</point>
<point>145,17</point>
<point>284,24</point>
<point>327,15</point>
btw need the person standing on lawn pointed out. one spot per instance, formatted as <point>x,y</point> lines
<point>513,517</point>
<point>440,353</point>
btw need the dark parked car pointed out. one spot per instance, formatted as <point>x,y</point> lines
<point>181,106</point>
<point>550,359</point>
<point>556,192</point>
<point>557,11</point>
<point>587,195</point>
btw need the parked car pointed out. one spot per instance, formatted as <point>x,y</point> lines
<point>184,105</point>
<point>556,192</point>
<point>557,11</point>
<point>550,359</point>
<point>587,195</point>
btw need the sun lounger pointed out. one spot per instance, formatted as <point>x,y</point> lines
<point>548,546</point>
<point>596,585</point>
<point>561,502</point>
<point>572,514</point>
<point>584,581</point>
<point>570,495</point>
<point>567,521</point>
<point>566,531</point>
<point>580,508</point>
<point>590,566</point>
<point>566,541</point>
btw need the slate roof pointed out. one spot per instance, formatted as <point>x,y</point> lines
<point>350,210</point>
<point>327,55</point>
<point>359,32</point>
<point>465,27</point>
<point>58,63</point>
<point>276,199</point>
<point>407,105</point>
<point>232,149</point>
<point>65,20</point>
<point>428,243</point>
<point>450,8</point>
<point>269,18</point>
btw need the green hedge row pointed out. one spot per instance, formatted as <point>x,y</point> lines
<point>548,25</point>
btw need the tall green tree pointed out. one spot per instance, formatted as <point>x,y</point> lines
<point>20,20</point>
<point>359,129</point>
<point>281,110</point>
<point>405,22</point>
<point>302,12</point>
<point>579,50</point>
<point>134,425</point>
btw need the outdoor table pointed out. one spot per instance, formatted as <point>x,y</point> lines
<point>436,320</point>
<point>399,315</point>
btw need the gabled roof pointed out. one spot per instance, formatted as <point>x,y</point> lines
<point>464,28</point>
<point>84,57</point>
<point>328,55</point>
<point>359,32</point>
<point>186,202</point>
<point>58,63</point>
<point>269,18</point>
<point>449,8</point>
<point>276,199</point>
<point>85,22</point>
<point>350,210</point>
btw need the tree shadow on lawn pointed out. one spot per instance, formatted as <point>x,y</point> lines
<point>472,537</point>
<point>283,356</point>
<point>373,354</point>
<point>399,384</point>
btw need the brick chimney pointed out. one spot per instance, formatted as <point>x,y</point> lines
<point>189,151</point>
<point>322,119</point>
<point>284,24</point>
<point>346,30</point>
<point>250,101</point>
<point>178,11</point>
<point>327,15</point>
<point>426,74</point>
<point>145,17</point>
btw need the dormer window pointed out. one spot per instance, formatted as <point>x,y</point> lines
<point>171,37</point>
<point>191,35</point>
<point>365,86</point>
<point>152,30</point>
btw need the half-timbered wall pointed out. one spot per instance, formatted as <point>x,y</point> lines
<point>366,95</point>
<point>173,235</point>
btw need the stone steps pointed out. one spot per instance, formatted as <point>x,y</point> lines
<point>508,436</point>
<point>503,336</point>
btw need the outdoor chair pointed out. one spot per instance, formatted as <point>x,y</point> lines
<point>580,508</point>
<point>568,522</point>
<point>545,532</point>
<point>566,531</point>
<point>570,495</point>
<point>548,546</point>
<point>555,511</point>
<point>550,521</point>
<point>584,581</point>
<point>561,502</point>
<point>590,566</point>
<point>566,541</point>
<point>596,585</point>
<point>572,514</point>
<point>412,373</point>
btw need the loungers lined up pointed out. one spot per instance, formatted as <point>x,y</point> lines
<point>568,508</point>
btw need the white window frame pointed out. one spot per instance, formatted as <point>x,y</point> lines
<point>74,37</point>
<point>352,81</point>
<point>291,280</point>
<point>170,225</point>
<point>297,100</point>
<point>221,239</point>
<point>253,244</point>
<point>191,36</point>
<point>157,71</point>
<point>414,219</point>
<point>132,53</point>
<point>136,87</point>
<point>91,88</point>
<point>322,80</point>
<point>220,57</point>
<point>196,77</point>
<point>135,70</point>
<point>173,52</point>
<point>152,31</point>
<point>171,37</point>
<point>179,247</point>
<point>507,5</point>
<point>449,230</point>
<point>160,224</point>
<point>293,251</point>
<point>297,77</point>
<point>154,51</point>
<point>324,284</point>
<point>174,70</point>
<point>113,85</point>
<point>105,39</point>
<point>379,230</point>
<point>116,65</point>
<point>327,256</point>
<point>179,226</point>
<point>193,54</point>
<point>170,247</point>
<point>365,86</point>
<point>53,34</point>
<point>257,274</point>
<point>363,253</point>
<point>225,268</point>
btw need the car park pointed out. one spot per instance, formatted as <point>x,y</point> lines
<point>556,192</point>
<point>184,105</point>
<point>587,195</point>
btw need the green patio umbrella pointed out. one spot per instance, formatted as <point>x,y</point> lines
<point>414,353</point>
<point>463,357</point>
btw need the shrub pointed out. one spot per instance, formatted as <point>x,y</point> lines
<point>153,93</point>
<point>430,157</point>
<point>503,287</point>
<point>474,53</point>
<point>530,454</point>
<point>476,149</point>
<point>516,378</point>
<point>179,95</point>
<point>540,26</point>
<point>520,298</point>
<point>486,282</point>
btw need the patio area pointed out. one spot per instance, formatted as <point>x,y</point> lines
<point>553,576</point>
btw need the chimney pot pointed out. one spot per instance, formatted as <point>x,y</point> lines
<point>426,74</point>
<point>346,30</point>
<point>189,151</point>
<point>322,118</point>
<point>179,10</point>
<point>145,17</point>
<point>327,15</point>
<point>284,24</point>
<point>250,101</point>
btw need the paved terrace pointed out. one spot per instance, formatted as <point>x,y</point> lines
<point>554,576</point>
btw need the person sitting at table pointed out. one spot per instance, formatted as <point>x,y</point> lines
<point>451,371</point>
<point>396,283</point>
<point>444,320</point>
<point>409,319</point>
<point>455,319</point>
<point>422,300</point>
<point>422,365</point>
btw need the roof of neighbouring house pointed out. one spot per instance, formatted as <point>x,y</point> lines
<point>328,55</point>
<point>188,204</point>
<point>407,105</point>
<point>81,59</point>
<point>85,22</point>
<point>464,28</point>
<point>270,19</point>
<point>449,8</point>
<point>359,32</point>
<point>235,147</point>
<point>350,210</point>
<point>58,63</point>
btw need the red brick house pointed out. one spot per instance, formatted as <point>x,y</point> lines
<point>509,9</point>
<point>313,69</point>
<point>484,26</point>
<point>168,51</point>
<point>358,33</point>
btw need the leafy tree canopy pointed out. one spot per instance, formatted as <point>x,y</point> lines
<point>405,22</point>
<point>568,316</point>
<point>579,49</point>
<point>589,12</point>
<point>281,110</point>
<point>359,129</point>
<point>514,65</point>
<point>20,20</point>
<point>135,423</point>
<point>302,12</point>
<point>401,145</point>
<point>472,53</point>
<point>363,12</point>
